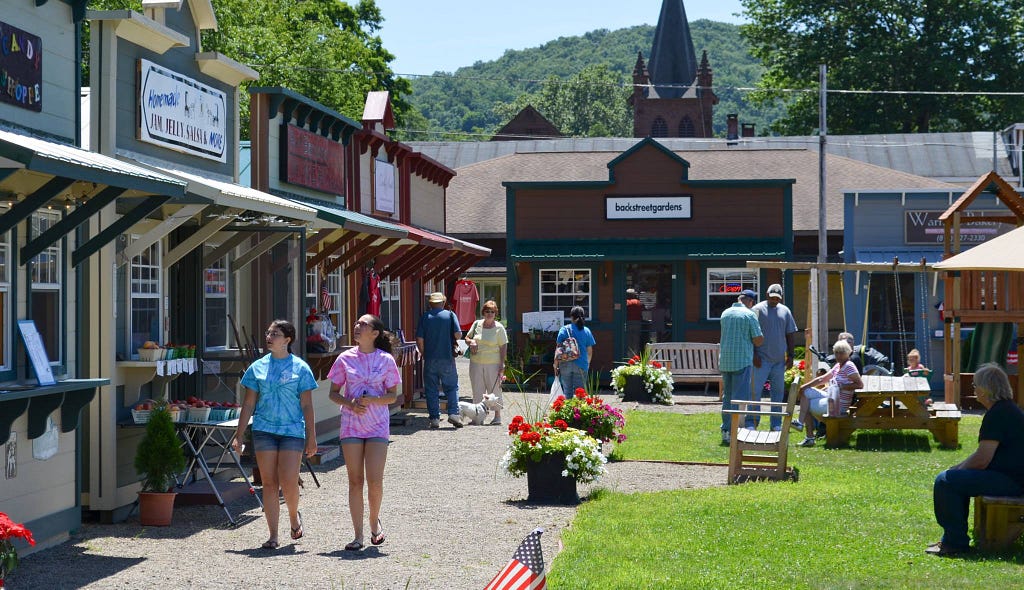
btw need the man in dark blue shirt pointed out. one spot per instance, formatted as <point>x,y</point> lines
<point>995,469</point>
<point>435,338</point>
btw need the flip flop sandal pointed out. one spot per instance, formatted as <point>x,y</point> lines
<point>356,545</point>
<point>269,545</point>
<point>297,532</point>
<point>378,538</point>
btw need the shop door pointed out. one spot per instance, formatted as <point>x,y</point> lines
<point>492,291</point>
<point>653,286</point>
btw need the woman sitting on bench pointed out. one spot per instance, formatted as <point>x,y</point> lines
<point>996,468</point>
<point>842,380</point>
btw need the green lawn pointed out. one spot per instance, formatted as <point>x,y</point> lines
<point>857,518</point>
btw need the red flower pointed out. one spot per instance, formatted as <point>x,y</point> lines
<point>632,361</point>
<point>557,406</point>
<point>656,364</point>
<point>560,397</point>
<point>12,530</point>
<point>802,365</point>
<point>530,437</point>
<point>524,427</point>
<point>580,394</point>
<point>636,357</point>
<point>517,420</point>
<point>561,424</point>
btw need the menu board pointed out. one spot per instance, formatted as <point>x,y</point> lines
<point>36,352</point>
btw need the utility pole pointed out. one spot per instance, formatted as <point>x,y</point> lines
<point>822,335</point>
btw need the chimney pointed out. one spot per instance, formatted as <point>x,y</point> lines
<point>732,128</point>
<point>748,130</point>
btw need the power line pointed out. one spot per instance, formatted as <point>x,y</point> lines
<point>513,80</point>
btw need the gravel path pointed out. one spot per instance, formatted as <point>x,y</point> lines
<point>452,519</point>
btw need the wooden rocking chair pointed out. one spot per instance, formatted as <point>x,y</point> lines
<point>761,454</point>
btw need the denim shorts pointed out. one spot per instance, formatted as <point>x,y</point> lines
<point>266,441</point>
<point>355,440</point>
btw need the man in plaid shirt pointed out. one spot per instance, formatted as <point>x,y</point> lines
<point>741,332</point>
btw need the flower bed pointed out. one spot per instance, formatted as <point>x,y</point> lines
<point>589,414</point>
<point>657,380</point>
<point>584,461</point>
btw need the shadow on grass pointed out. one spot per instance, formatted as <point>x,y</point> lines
<point>893,440</point>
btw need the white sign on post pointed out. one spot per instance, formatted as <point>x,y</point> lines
<point>36,352</point>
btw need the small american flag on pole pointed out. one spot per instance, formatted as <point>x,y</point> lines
<point>326,301</point>
<point>526,570</point>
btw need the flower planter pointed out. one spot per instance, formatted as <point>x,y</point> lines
<point>547,485</point>
<point>156,508</point>
<point>634,390</point>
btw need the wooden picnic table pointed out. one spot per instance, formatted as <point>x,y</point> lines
<point>895,403</point>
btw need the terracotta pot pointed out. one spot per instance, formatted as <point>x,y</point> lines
<point>156,508</point>
<point>547,485</point>
<point>634,391</point>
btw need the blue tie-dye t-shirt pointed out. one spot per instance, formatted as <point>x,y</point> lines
<point>279,382</point>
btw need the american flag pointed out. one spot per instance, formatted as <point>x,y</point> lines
<point>326,301</point>
<point>526,570</point>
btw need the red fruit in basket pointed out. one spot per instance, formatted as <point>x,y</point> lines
<point>147,406</point>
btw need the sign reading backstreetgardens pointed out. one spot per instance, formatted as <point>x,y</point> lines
<point>180,113</point>
<point>676,207</point>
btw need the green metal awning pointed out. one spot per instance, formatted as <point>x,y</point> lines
<point>660,249</point>
<point>354,221</point>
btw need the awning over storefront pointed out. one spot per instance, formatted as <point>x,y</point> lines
<point>883,255</point>
<point>598,250</point>
<point>35,173</point>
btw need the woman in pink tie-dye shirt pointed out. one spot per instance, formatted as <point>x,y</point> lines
<point>364,381</point>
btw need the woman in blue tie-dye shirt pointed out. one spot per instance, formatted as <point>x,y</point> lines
<point>279,397</point>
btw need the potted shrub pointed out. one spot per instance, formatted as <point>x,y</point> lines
<point>554,458</point>
<point>158,459</point>
<point>644,380</point>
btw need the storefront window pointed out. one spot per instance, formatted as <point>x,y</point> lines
<point>144,288</point>
<point>563,289</point>
<point>335,291</point>
<point>724,286</point>
<point>215,293</point>
<point>391,304</point>
<point>46,285</point>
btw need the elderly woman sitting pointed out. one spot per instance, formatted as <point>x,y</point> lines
<point>840,381</point>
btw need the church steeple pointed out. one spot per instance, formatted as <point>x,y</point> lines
<point>673,58</point>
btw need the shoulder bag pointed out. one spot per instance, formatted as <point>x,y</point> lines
<point>569,349</point>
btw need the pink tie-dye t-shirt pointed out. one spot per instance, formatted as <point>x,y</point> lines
<point>368,374</point>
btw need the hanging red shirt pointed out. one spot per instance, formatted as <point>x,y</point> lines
<point>464,302</point>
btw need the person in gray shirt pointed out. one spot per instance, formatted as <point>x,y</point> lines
<point>775,355</point>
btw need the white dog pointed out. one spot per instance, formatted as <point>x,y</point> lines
<point>477,413</point>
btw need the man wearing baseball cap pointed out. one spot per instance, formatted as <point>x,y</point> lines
<point>740,334</point>
<point>776,353</point>
<point>435,338</point>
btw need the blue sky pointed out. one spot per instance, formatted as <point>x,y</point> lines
<point>444,35</point>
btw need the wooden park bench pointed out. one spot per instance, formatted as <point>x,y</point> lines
<point>998,521</point>
<point>892,403</point>
<point>689,362</point>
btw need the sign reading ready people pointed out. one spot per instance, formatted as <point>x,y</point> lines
<point>675,207</point>
<point>180,113</point>
<point>21,68</point>
<point>924,227</point>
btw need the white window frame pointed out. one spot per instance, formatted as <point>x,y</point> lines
<point>391,299</point>
<point>51,281</point>
<point>136,262</point>
<point>336,289</point>
<point>731,281</point>
<point>569,275</point>
<point>225,271</point>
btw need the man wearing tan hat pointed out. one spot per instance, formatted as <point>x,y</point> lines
<point>435,338</point>
<point>773,356</point>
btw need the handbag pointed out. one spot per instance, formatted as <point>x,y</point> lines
<point>569,349</point>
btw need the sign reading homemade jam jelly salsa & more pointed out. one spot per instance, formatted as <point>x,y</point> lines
<point>21,68</point>
<point>648,208</point>
<point>179,113</point>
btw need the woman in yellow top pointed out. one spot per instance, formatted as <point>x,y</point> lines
<point>488,345</point>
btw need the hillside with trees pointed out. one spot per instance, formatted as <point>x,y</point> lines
<point>474,101</point>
